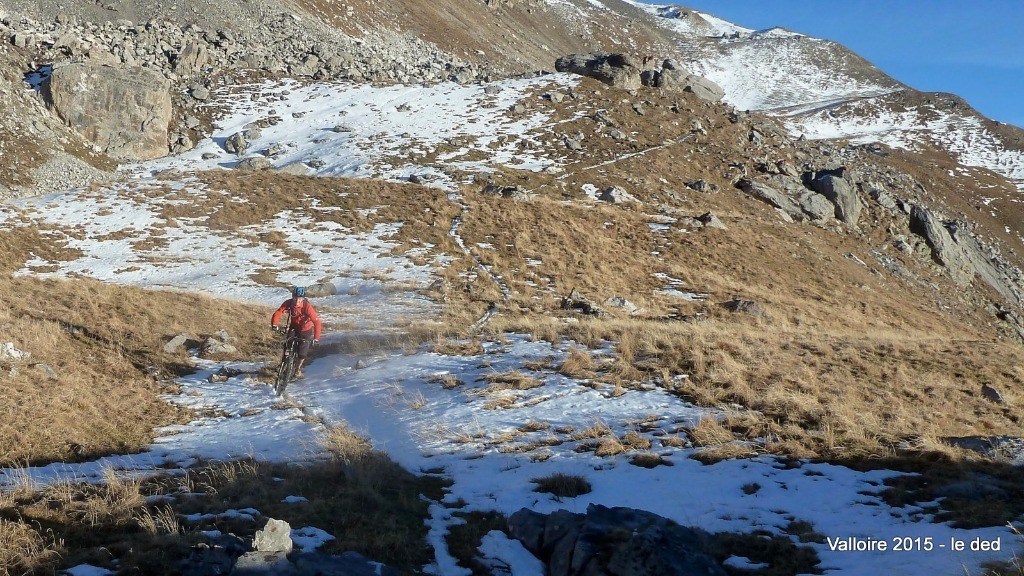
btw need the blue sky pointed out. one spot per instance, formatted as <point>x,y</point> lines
<point>972,49</point>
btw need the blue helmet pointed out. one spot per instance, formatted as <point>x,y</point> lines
<point>299,292</point>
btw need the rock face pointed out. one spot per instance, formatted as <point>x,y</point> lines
<point>771,196</point>
<point>925,224</point>
<point>125,112</point>
<point>675,79</point>
<point>842,195</point>
<point>618,541</point>
<point>617,70</point>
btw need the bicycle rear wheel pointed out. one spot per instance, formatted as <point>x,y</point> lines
<point>285,373</point>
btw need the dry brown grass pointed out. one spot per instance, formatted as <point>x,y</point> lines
<point>514,380</point>
<point>103,343</point>
<point>458,348</point>
<point>710,432</point>
<point>23,550</point>
<point>578,364</point>
<point>562,485</point>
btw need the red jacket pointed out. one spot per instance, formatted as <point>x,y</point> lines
<point>303,317</point>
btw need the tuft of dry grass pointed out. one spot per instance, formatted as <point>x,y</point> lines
<point>648,460</point>
<point>447,381</point>
<point>451,347</point>
<point>346,446</point>
<point>710,432</point>
<point>510,381</point>
<point>534,426</point>
<point>578,364</point>
<point>23,550</point>
<point>562,485</point>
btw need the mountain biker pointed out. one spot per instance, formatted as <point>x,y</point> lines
<point>304,323</point>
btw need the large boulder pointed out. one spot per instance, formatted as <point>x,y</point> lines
<point>192,59</point>
<point>842,195</point>
<point>944,250</point>
<point>676,79</point>
<point>619,541</point>
<point>767,194</point>
<point>125,112</point>
<point>619,70</point>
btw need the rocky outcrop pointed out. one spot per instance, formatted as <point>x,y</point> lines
<point>945,251</point>
<point>842,195</point>
<point>619,541</point>
<point>618,70</point>
<point>674,79</point>
<point>616,195</point>
<point>773,197</point>
<point>124,112</point>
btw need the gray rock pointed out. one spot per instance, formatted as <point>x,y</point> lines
<point>21,39</point>
<point>192,59</point>
<point>47,370</point>
<point>622,304</point>
<point>213,347</point>
<point>254,164</point>
<point>617,134</point>
<point>617,541</point>
<point>709,220</point>
<point>200,93</point>
<point>8,352</point>
<point>885,199</point>
<point>268,563</point>
<point>616,195</point>
<point>925,224</point>
<point>175,344</point>
<point>321,289</point>
<point>517,193</point>
<point>210,155</point>
<point>207,560</point>
<point>701,186</point>
<point>981,487</point>
<point>650,78</point>
<point>816,206</point>
<point>580,303</point>
<point>573,144</point>
<point>740,306</point>
<point>773,197</point>
<point>992,394</point>
<point>124,112</point>
<point>555,97</point>
<point>274,537</point>
<point>683,81</point>
<point>237,143</point>
<point>348,564</point>
<point>618,70</point>
<point>1004,448</point>
<point>191,122</point>
<point>841,194</point>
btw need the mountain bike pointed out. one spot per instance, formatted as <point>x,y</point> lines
<point>286,371</point>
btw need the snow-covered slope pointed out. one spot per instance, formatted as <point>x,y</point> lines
<point>913,121</point>
<point>772,68</point>
<point>825,91</point>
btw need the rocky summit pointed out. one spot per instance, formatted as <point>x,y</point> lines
<point>602,287</point>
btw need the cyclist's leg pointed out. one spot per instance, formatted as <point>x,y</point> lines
<point>287,336</point>
<point>305,341</point>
